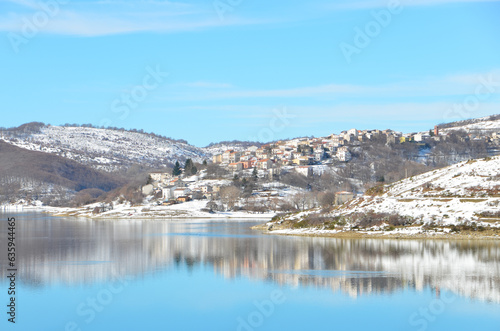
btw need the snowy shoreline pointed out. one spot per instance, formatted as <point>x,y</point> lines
<point>187,210</point>
<point>416,233</point>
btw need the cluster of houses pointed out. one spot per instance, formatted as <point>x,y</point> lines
<point>303,152</point>
<point>295,152</point>
<point>172,190</point>
<point>299,152</point>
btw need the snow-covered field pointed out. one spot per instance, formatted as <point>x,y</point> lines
<point>449,195</point>
<point>473,178</point>
<point>480,124</point>
<point>459,194</point>
<point>186,210</point>
<point>190,209</point>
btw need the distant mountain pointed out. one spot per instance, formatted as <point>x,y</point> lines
<point>26,174</point>
<point>104,149</point>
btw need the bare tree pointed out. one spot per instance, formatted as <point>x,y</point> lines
<point>229,196</point>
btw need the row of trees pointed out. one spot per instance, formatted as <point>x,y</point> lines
<point>189,168</point>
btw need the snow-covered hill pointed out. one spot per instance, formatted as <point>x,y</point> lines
<point>107,149</point>
<point>466,191</point>
<point>460,197</point>
<point>468,179</point>
<point>223,146</point>
<point>483,124</point>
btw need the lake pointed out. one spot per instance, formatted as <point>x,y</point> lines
<point>80,274</point>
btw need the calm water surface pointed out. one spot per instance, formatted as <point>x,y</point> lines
<point>79,274</point>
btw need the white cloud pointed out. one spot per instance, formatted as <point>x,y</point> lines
<point>107,17</point>
<point>371,4</point>
<point>447,86</point>
<point>24,3</point>
<point>208,85</point>
<point>95,18</point>
<point>369,116</point>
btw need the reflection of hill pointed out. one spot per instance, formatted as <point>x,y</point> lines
<point>83,251</point>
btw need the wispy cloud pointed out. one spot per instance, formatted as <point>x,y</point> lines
<point>96,18</point>
<point>23,3</point>
<point>207,85</point>
<point>369,116</point>
<point>451,85</point>
<point>371,4</point>
<point>108,17</point>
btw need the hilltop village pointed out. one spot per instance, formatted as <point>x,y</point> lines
<point>240,168</point>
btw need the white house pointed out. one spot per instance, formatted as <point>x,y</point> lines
<point>343,154</point>
<point>304,170</point>
<point>178,192</point>
<point>352,132</point>
<point>168,192</point>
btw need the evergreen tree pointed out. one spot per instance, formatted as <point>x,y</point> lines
<point>255,174</point>
<point>177,169</point>
<point>189,167</point>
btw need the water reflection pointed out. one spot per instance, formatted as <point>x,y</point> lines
<point>75,251</point>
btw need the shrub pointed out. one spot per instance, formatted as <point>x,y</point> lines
<point>376,190</point>
<point>301,224</point>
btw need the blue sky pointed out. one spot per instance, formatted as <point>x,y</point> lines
<point>210,70</point>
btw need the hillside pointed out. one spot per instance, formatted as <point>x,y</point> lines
<point>104,149</point>
<point>462,196</point>
<point>26,174</point>
<point>483,124</point>
<point>221,147</point>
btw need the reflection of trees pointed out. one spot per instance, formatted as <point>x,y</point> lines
<point>81,251</point>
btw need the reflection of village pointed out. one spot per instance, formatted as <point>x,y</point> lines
<point>106,250</point>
